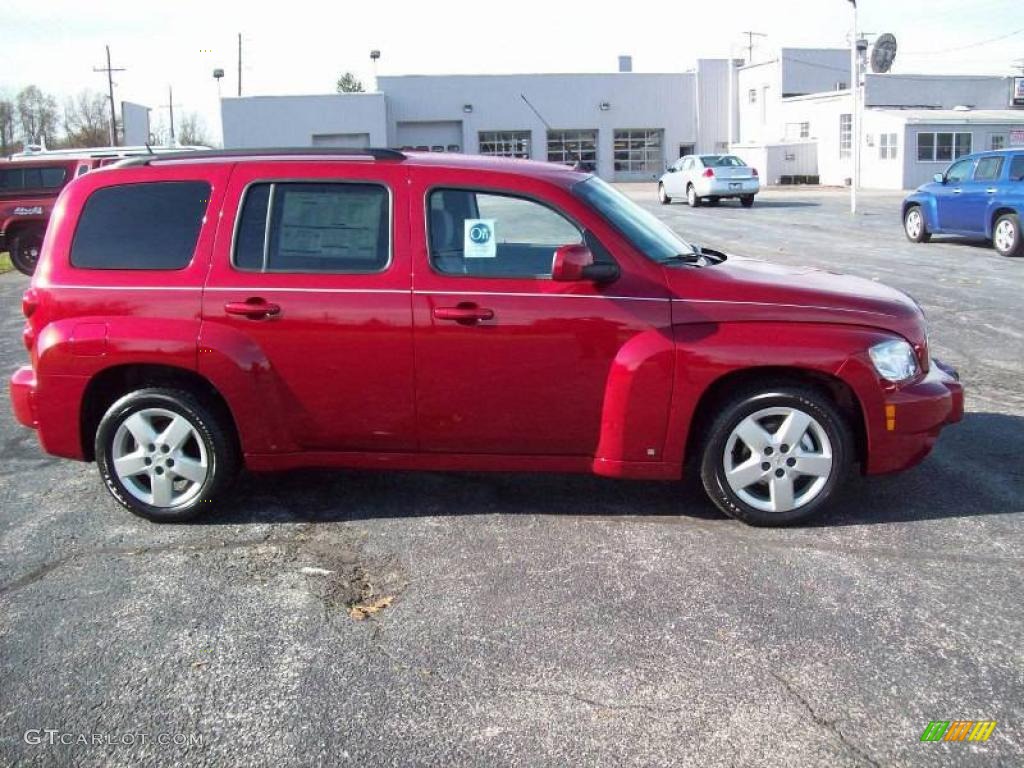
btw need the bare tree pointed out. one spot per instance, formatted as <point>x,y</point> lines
<point>349,83</point>
<point>86,123</point>
<point>192,130</point>
<point>37,116</point>
<point>8,144</point>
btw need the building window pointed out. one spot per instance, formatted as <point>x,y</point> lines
<point>998,141</point>
<point>752,95</point>
<point>573,147</point>
<point>805,130</point>
<point>798,131</point>
<point>887,146</point>
<point>505,144</point>
<point>943,147</point>
<point>845,135</point>
<point>639,151</point>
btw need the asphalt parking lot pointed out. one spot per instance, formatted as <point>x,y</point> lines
<point>332,618</point>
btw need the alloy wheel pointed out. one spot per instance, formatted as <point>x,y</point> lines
<point>778,459</point>
<point>159,457</point>
<point>1005,235</point>
<point>914,223</point>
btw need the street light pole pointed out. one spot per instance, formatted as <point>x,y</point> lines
<point>855,119</point>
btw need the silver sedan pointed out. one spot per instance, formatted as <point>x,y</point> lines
<point>709,177</point>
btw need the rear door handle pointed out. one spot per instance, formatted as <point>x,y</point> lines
<point>991,190</point>
<point>254,308</point>
<point>466,314</point>
<point>957,191</point>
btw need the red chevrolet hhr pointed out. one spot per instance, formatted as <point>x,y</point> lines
<point>369,308</point>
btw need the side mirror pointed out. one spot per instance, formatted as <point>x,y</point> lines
<point>670,169</point>
<point>939,178</point>
<point>575,263</point>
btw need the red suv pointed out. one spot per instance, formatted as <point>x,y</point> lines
<point>295,308</point>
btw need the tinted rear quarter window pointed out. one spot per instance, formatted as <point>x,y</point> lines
<point>29,177</point>
<point>153,225</point>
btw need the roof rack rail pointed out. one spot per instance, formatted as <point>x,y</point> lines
<point>376,153</point>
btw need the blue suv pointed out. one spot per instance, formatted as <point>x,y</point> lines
<point>981,195</point>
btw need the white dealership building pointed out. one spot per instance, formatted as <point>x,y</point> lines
<point>790,116</point>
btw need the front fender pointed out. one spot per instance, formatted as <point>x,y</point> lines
<point>707,353</point>
<point>927,204</point>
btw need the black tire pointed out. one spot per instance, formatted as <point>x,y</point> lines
<point>25,248</point>
<point>692,198</point>
<point>663,196</point>
<point>747,201</point>
<point>1015,245</point>
<point>746,402</point>
<point>218,440</point>
<point>916,231</point>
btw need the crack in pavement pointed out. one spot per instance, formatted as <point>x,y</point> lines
<point>828,725</point>
<point>39,573</point>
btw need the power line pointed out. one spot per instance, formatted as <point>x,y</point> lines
<point>964,47</point>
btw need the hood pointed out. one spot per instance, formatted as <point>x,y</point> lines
<point>744,290</point>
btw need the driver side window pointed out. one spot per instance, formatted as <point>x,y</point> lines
<point>488,234</point>
<point>959,171</point>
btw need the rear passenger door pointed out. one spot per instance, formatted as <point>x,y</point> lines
<point>307,306</point>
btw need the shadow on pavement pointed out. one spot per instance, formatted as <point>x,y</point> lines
<point>973,471</point>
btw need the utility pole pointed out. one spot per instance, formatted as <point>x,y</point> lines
<point>170,108</point>
<point>239,63</point>
<point>750,44</point>
<point>855,118</point>
<point>110,85</point>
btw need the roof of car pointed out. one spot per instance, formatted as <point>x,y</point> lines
<point>563,174</point>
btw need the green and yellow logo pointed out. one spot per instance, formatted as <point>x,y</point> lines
<point>958,730</point>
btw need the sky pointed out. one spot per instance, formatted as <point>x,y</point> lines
<point>302,47</point>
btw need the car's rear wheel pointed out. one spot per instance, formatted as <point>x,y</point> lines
<point>747,201</point>
<point>914,226</point>
<point>692,198</point>
<point>775,456</point>
<point>25,248</point>
<point>663,195</point>
<point>163,454</point>
<point>1006,235</point>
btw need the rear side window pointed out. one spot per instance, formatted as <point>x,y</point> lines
<point>988,169</point>
<point>140,226</point>
<point>340,227</point>
<point>1017,168</point>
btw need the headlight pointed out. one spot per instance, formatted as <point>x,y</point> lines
<point>894,360</point>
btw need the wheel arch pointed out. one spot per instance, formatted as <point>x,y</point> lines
<point>719,391</point>
<point>109,384</point>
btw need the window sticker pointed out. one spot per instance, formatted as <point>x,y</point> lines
<point>479,239</point>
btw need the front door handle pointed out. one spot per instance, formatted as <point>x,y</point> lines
<point>991,190</point>
<point>957,191</point>
<point>467,314</point>
<point>254,308</point>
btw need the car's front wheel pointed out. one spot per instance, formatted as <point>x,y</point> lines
<point>776,455</point>
<point>163,454</point>
<point>914,226</point>
<point>692,198</point>
<point>1006,235</point>
<point>663,197</point>
<point>25,248</point>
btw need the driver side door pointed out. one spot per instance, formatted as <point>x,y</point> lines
<point>950,203</point>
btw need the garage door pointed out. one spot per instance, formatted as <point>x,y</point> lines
<point>436,136</point>
<point>348,140</point>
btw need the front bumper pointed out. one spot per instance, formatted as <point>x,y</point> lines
<point>23,397</point>
<point>913,417</point>
<point>727,187</point>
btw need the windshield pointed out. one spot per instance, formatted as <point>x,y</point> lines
<point>722,161</point>
<point>641,228</point>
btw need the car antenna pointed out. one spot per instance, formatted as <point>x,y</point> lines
<point>579,164</point>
